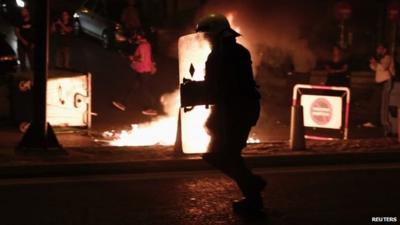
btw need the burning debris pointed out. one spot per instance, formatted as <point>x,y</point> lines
<point>160,131</point>
<point>193,52</point>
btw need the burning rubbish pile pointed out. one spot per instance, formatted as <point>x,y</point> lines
<point>160,131</point>
<point>193,52</point>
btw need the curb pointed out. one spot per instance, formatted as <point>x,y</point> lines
<point>196,164</point>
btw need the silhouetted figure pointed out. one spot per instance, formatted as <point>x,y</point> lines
<point>337,69</point>
<point>24,32</point>
<point>144,68</point>
<point>235,109</point>
<point>62,27</point>
<point>383,65</point>
<point>130,18</point>
<point>304,62</point>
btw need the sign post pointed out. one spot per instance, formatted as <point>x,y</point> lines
<point>343,12</point>
<point>323,111</point>
<point>40,136</point>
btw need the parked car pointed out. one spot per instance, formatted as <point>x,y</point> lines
<point>8,58</point>
<point>100,19</point>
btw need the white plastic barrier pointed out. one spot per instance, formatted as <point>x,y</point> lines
<point>323,111</point>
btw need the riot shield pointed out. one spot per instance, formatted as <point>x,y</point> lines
<point>193,50</point>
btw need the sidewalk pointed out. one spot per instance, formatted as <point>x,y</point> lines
<point>85,156</point>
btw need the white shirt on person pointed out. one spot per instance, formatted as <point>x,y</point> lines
<point>384,69</point>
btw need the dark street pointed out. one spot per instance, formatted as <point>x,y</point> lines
<point>303,195</point>
<point>308,95</point>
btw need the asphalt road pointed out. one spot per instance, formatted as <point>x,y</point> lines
<point>307,195</point>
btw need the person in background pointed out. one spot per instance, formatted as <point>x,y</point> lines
<point>383,65</point>
<point>304,62</point>
<point>62,28</point>
<point>144,67</point>
<point>337,69</point>
<point>232,92</point>
<point>25,35</point>
<point>130,18</point>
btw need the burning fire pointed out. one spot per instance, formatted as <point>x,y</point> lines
<point>160,131</point>
<point>193,50</point>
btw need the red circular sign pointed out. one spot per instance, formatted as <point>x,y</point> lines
<point>321,111</point>
<point>393,11</point>
<point>343,10</point>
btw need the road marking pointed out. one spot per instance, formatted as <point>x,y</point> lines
<point>190,174</point>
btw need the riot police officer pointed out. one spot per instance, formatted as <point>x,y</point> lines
<point>233,94</point>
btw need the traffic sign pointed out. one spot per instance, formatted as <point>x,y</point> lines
<point>322,111</point>
<point>328,108</point>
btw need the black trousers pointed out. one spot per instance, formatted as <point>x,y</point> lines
<point>229,136</point>
<point>140,88</point>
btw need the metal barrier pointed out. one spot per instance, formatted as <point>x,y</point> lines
<point>321,112</point>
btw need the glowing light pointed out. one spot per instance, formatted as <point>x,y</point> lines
<point>252,140</point>
<point>193,50</point>
<point>68,101</point>
<point>20,3</point>
<point>160,131</point>
<point>235,26</point>
<point>230,17</point>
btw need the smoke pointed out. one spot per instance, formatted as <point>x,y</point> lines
<point>273,32</point>
<point>263,25</point>
<point>170,102</point>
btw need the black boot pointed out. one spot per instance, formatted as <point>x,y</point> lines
<point>249,206</point>
<point>253,201</point>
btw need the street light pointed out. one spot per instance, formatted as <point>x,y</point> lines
<point>20,3</point>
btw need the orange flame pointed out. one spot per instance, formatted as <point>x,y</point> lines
<point>160,131</point>
<point>193,49</point>
<point>193,52</point>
